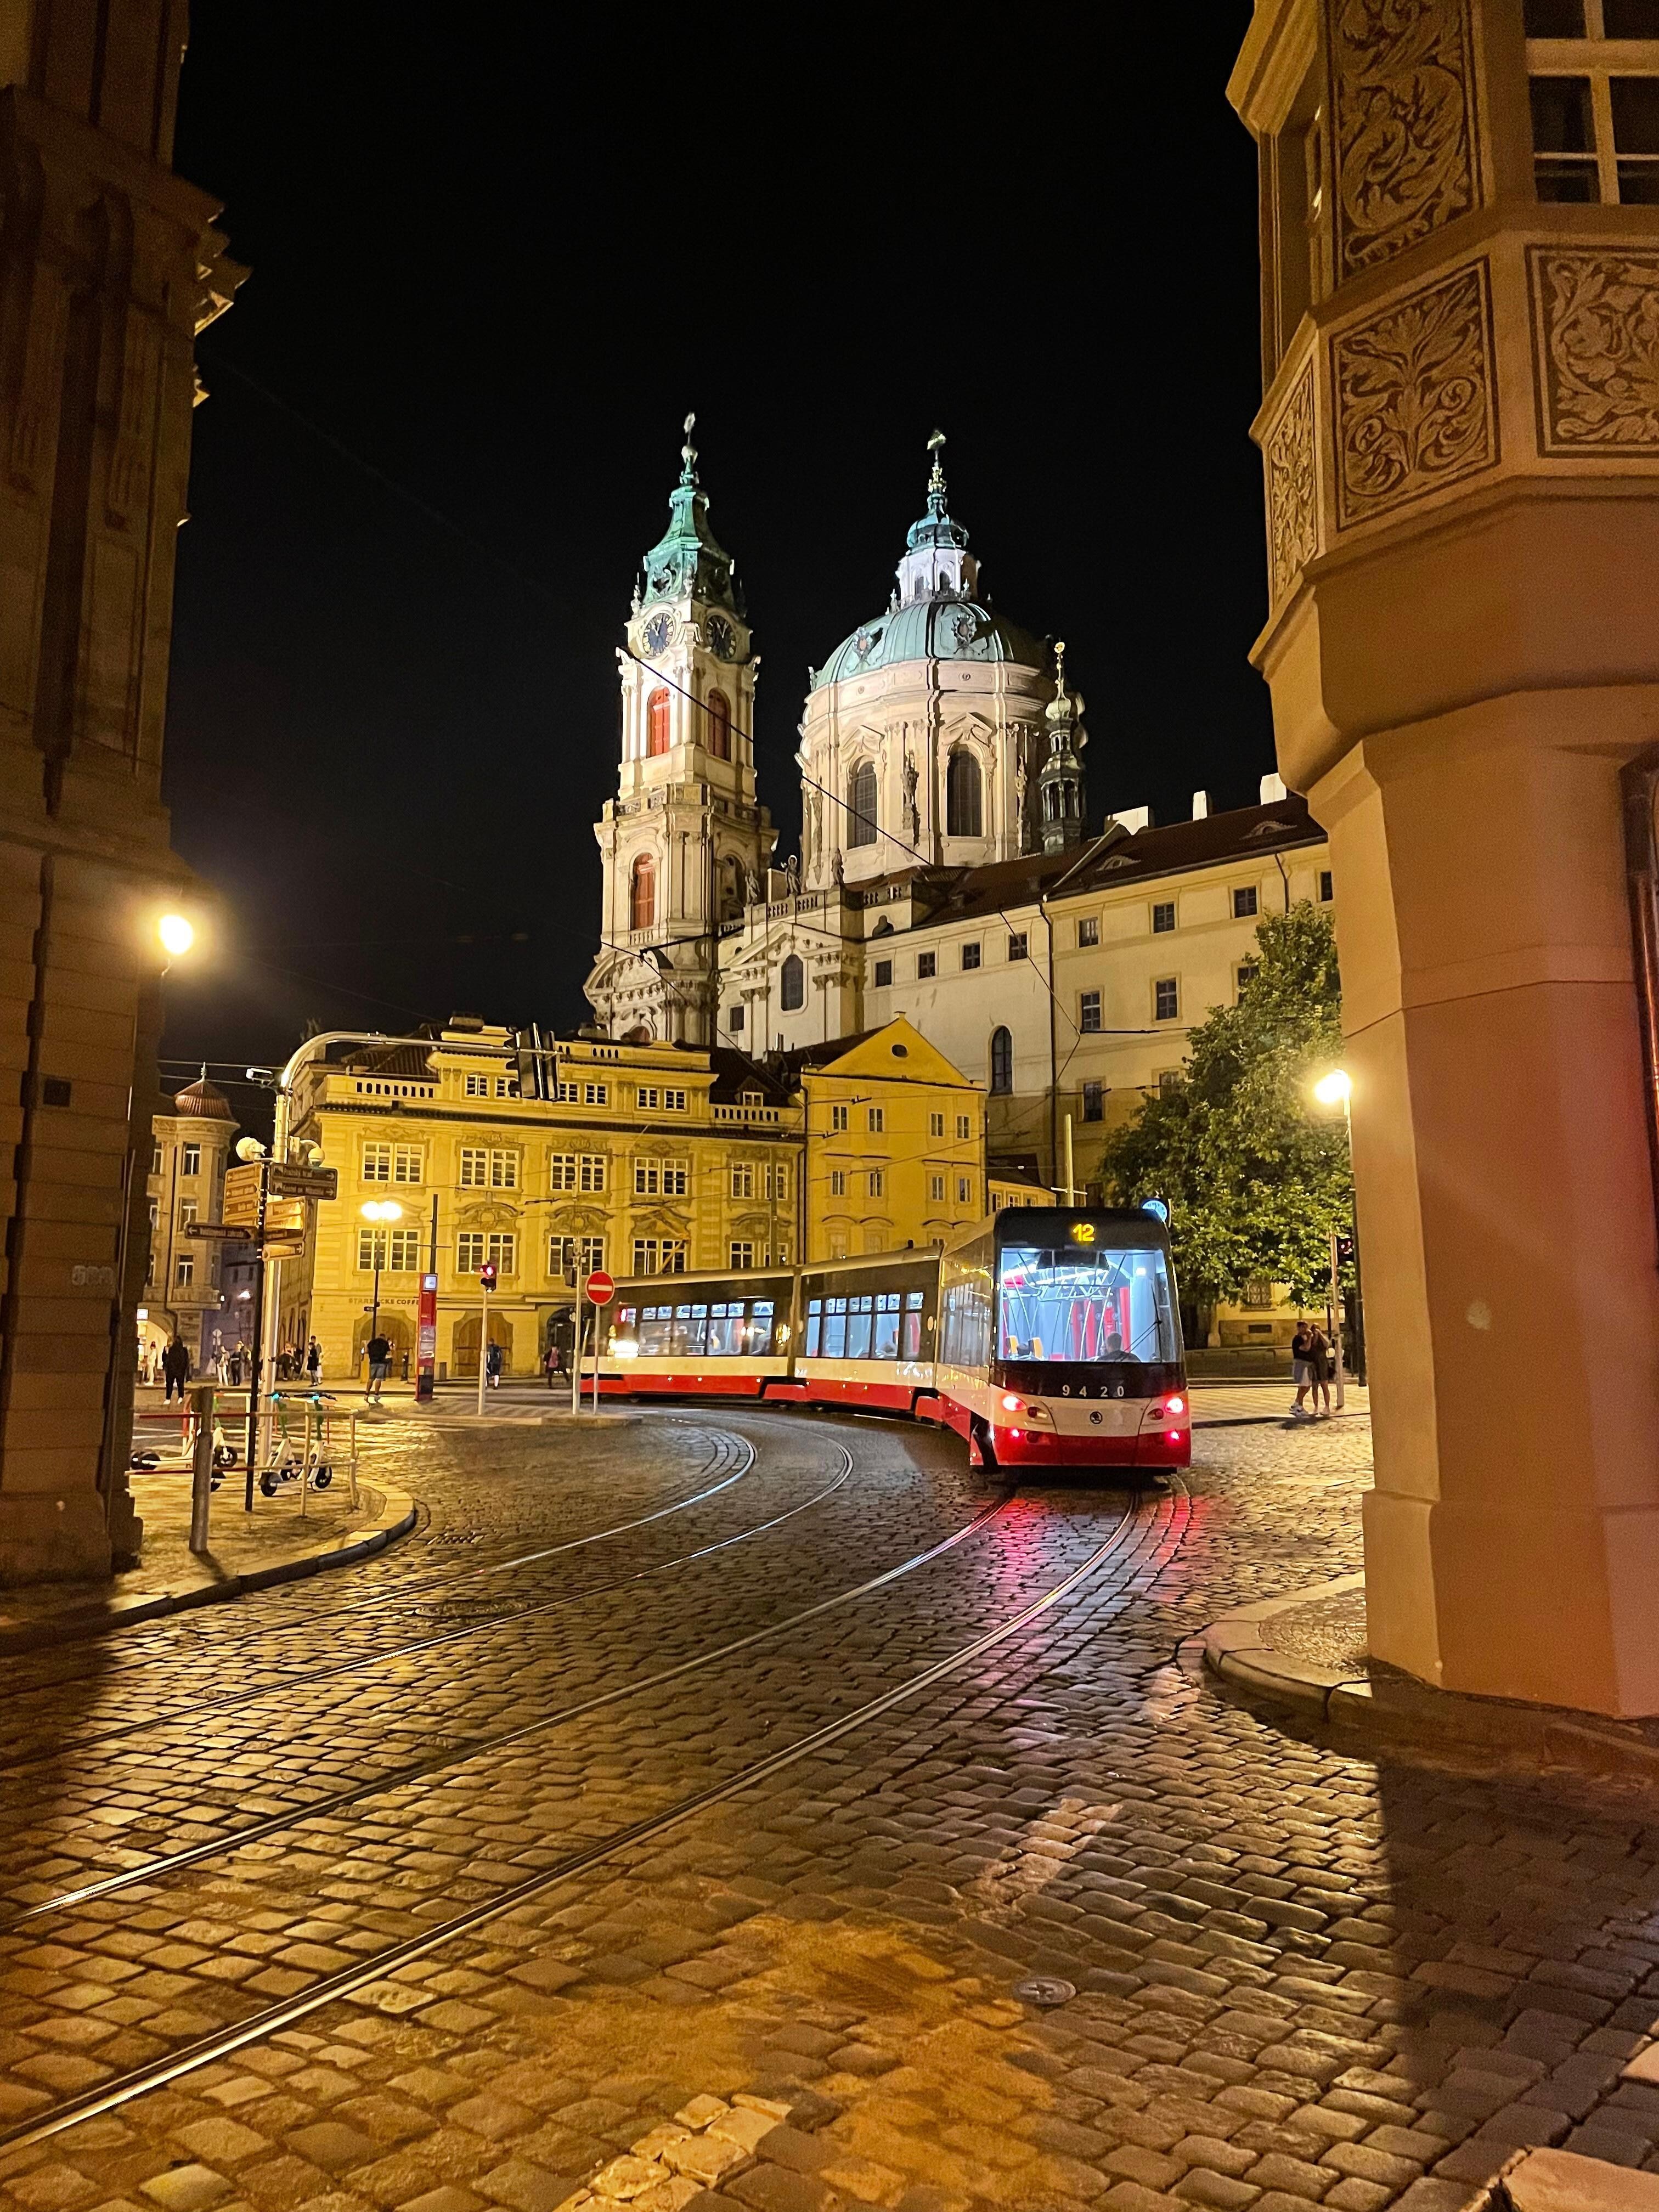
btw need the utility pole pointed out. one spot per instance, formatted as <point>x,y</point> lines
<point>1336,1322</point>
<point>256,1349</point>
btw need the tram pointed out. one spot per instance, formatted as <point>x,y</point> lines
<point>1049,1336</point>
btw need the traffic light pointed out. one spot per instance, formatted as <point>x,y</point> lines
<point>1344,1251</point>
<point>487,1275</point>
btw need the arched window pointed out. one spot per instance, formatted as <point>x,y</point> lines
<point>792,985</point>
<point>862,804</point>
<point>656,723</point>
<point>961,807</point>
<point>719,725</point>
<point>1002,1063</point>
<point>731,888</point>
<point>643,893</point>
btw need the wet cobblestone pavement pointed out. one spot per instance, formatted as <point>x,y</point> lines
<point>741,1809</point>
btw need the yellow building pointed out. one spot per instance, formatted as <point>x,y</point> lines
<point>895,1143</point>
<point>185,1292</point>
<point>645,1159</point>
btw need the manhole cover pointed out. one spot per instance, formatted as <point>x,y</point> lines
<point>1045,1990</point>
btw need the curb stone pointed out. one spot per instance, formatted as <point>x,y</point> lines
<point>79,1623</point>
<point>1565,2181</point>
<point>1396,1712</point>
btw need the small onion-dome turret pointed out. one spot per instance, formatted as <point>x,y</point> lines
<point>202,1100</point>
<point>1060,782</point>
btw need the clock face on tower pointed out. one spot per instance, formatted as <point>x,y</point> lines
<point>656,632</point>
<point>722,638</point>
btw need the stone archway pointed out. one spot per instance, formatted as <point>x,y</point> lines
<point>464,1344</point>
<point>395,1328</point>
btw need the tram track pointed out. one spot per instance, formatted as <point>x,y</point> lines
<point>270,2019</point>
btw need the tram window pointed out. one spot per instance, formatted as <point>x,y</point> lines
<point>656,1326</point>
<point>859,1317</point>
<point>760,1326</point>
<point>834,1328</point>
<point>885,1341</point>
<point>913,1300</point>
<point>1098,1306</point>
<point>814,1327</point>
<point>725,1337</point>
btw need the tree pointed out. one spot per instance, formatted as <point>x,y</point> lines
<point>1255,1174</point>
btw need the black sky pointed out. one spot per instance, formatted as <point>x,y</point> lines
<point>496,256</point>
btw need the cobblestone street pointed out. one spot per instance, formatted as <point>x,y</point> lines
<point>767,1810</point>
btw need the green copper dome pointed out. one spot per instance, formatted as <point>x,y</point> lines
<point>688,560</point>
<point>935,615</point>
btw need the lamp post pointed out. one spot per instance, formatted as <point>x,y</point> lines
<point>379,1209</point>
<point>1336,1089</point>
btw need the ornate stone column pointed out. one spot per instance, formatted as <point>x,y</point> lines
<point>1461,434</point>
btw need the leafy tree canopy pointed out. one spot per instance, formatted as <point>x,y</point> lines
<point>1255,1173</point>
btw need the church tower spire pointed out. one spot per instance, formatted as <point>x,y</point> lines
<point>1059,781</point>
<point>684,842</point>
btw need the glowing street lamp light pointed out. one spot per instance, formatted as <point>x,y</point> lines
<point>1336,1089</point>
<point>176,935</point>
<point>379,1209</point>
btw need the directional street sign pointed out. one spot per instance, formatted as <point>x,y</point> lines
<point>233,1232</point>
<point>240,1209</point>
<point>304,1183</point>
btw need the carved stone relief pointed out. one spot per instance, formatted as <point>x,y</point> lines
<point>1415,397</point>
<point>1595,321</point>
<point>1405,150</point>
<point>1292,487</point>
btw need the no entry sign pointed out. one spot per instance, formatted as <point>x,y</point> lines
<point>600,1289</point>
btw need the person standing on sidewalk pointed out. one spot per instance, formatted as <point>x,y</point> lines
<point>380,1365</point>
<point>313,1363</point>
<point>1301,1369</point>
<point>175,1370</point>
<point>493,1367</point>
<point>1320,1356</point>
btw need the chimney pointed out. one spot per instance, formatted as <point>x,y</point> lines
<point>1273,790</point>
<point>1200,806</point>
<point>1133,818</point>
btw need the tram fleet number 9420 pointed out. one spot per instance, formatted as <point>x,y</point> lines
<point>1049,1336</point>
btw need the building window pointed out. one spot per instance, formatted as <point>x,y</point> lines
<point>473,1247</point>
<point>964,1127</point>
<point>475,1086</point>
<point>970,956</point>
<point>187,1273</point>
<point>936,1187</point>
<point>792,985</point>
<point>190,1160</point>
<point>1166,998</point>
<point>861,823</point>
<point>575,1256</point>
<point>927,965</point>
<point>778,1180</point>
<point>837,1182</point>
<point>875,1119</point>
<point>377,1163</point>
<point>1594,104</point>
<point>647,1096</point>
<point>656,722</point>
<point>1017,945</point>
<point>643,893</point>
<point>186,1213</point>
<point>1002,1063</point>
<point>743,1179</point>
<point>1168,1083</point>
<point>596,1094</point>
<point>741,1254</point>
<point>719,725</point>
<point>962,796</point>
<point>936,1125</point>
<point>495,1169</point>
<point>1327,890</point>
<point>964,1190</point>
<point>662,1178</point>
<point>1258,1296</point>
<point>1162,917</point>
<point>591,1175</point>
<point>884,974</point>
<point>1094,1101</point>
<point>653,1258</point>
<point>878,1182</point>
<point>396,1251</point>
<point>407,1164</point>
<point>838,1117</point>
<point>1246,969</point>
<point>155,1161</point>
<point>1089,1013</point>
<point>734,1020</point>
<point>1088,929</point>
<point>562,1171</point>
<point>1244,901</point>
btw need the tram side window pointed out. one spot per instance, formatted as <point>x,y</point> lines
<point>834,1328</point>
<point>859,1317</point>
<point>967,1325</point>
<point>814,1328</point>
<point>761,1316</point>
<point>885,1342</point>
<point>725,1334</point>
<point>912,1304</point>
<point>656,1327</point>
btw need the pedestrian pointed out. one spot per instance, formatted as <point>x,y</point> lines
<point>313,1362</point>
<point>1320,1356</point>
<point>553,1365</point>
<point>1301,1369</point>
<point>175,1370</point>
<point>233,1363</point>
<point>493,1366</point>
<point>380,1365</point>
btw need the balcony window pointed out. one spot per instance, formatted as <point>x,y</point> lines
<point>1593,72</point>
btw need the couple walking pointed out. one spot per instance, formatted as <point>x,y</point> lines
<point>1310,1369</point>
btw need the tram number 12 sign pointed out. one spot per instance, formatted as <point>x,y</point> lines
<point>598,1290</point>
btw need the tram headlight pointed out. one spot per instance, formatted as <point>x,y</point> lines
<point>1177,1405</point>
<point>624,1347</point>
<point>1010,1405</point>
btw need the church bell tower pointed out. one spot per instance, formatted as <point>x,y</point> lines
<point>685,844</point>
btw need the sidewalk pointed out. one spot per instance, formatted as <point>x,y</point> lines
<point>249,1551</point>
<point>1233,1405</point>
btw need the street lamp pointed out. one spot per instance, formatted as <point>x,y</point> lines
<point>379,1209</point>
<point>176,935</point>
<point>1336,1089</point>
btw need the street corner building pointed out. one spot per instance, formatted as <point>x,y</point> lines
<point>109,265</point>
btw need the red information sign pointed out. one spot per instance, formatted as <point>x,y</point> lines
<point>598,1290</point>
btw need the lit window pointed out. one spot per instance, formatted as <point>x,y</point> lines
<point>927,965</point>
<point>970,956</point>
<point>396,1251</point>
<point>1244,901</point>
<point>1089,1013</point>
<point>1094,1101</point>
<point>1166,998</point>
<point>1162,917</point>
<point>1088,929</point>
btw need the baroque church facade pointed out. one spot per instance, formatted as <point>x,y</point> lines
<point>947,872</point>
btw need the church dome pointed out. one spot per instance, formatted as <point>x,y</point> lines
<point>203,1101</point>
<point>935,615</point>
<point>932,629</point>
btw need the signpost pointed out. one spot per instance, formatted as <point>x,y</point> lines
<point>291,1181</point>
<point>598,1290</point>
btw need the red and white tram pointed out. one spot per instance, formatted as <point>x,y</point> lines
<point>1046,1337</point>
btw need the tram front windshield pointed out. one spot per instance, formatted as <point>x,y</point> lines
<point>1099,1305</point>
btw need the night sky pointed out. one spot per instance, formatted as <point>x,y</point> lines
<point>497,254</point>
